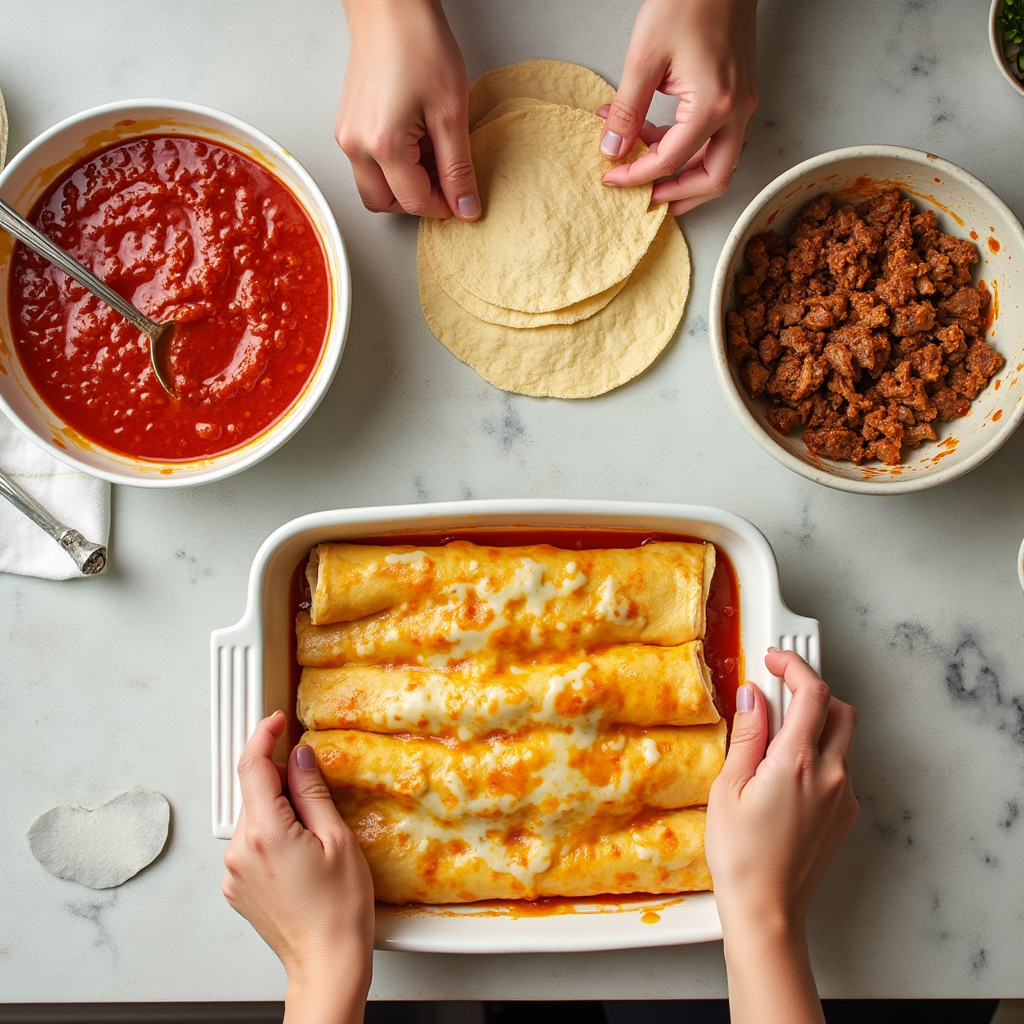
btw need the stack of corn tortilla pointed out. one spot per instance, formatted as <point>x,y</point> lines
<point>565,287</point>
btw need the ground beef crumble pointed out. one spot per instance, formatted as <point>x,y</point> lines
<point>863,327</point>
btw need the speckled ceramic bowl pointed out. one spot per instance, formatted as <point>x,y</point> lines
<point>965,207</point>
<point>28,176</point>
<point>999,52</point>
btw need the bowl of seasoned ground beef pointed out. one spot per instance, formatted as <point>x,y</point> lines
<point>866,320</point>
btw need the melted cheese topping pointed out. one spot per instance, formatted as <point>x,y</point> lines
<point>527,587</point>
<point>408,556</point>
<point>527,762</point>
<point>651,753</point>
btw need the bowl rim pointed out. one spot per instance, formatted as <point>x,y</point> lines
<point>330,233</point>
<point>996,46</point>
<point>892,485</point>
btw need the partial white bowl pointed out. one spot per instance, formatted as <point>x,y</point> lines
<point>965,207</point>
<point>43,160</point>
<point>251,673</point>
<point>995,42</point>
<point>1020,565</point>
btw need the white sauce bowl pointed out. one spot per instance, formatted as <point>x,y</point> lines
<point>963,205</point>
<point>32,172</point>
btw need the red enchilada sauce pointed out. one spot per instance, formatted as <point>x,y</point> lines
<point>186,230</point>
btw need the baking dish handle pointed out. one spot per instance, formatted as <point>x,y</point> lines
<point>236,701</point>
<point>803,635</point>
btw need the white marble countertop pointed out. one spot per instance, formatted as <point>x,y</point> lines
<point>104,683</point>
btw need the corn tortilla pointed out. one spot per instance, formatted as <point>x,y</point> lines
<point>554,81</point>
<point>572,360</point>
<point>513,317</point>
<point>551,234</point>
<point>507,107</point>
<point>492,314</point>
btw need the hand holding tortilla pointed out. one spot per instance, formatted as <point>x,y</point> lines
<point>564,288</point>
<point>402,117</point>
<point>702,52</point>
<point>403,120</point>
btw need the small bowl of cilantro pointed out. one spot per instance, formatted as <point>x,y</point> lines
<point>1006,37</point>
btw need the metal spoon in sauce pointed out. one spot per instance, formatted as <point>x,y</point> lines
<point>159,335</point>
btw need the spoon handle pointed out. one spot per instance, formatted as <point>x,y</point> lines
<point>90,558</point>
<point>21,229</point>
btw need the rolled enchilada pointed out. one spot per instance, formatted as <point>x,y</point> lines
<point>536,593</point>
<point>499,723</point>
<point>570,774</point>
<point>631,684</point>
<point>413,859</point>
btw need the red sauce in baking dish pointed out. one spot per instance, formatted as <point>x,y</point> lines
<point>723,651</point>
<point>184,229</point>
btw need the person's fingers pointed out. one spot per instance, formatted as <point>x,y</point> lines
<point>454,159</point>
<point>675,148</point>
<point>626,114</point>
<point>681,206</point>
<point>650,133</point>
<point>748,738</point>
<point>310,796</point>
<point>409,182</point>
<point>808,709</point>
<point>840,731</point>
<point>233,853</point>
<point>258,778</point>
<point>373,187</point>
<point>708,178</point>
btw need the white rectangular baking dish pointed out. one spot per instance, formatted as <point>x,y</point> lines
<point>250,679</point>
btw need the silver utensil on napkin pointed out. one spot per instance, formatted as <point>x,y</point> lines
<point>90,558</point>
<point>159,334</point>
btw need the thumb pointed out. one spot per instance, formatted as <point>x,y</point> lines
<point>749,737</point>
<point>455,172</point>
<point>309,794</point>
<point>629,108</point>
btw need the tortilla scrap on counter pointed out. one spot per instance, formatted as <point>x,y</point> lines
<point>564,288</point>
<point>514,722</point>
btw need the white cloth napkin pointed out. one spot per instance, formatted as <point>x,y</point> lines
<point>78,500</point>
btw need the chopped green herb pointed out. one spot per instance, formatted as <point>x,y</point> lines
<point>1010,23</point>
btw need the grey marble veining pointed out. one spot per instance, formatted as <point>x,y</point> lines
<point>104,683</point>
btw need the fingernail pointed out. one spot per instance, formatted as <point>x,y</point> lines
<point>469,206</point>
<point>611,144</point>
<point>744,699</point>
<point>774,649</point>
<point>305,758</point>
